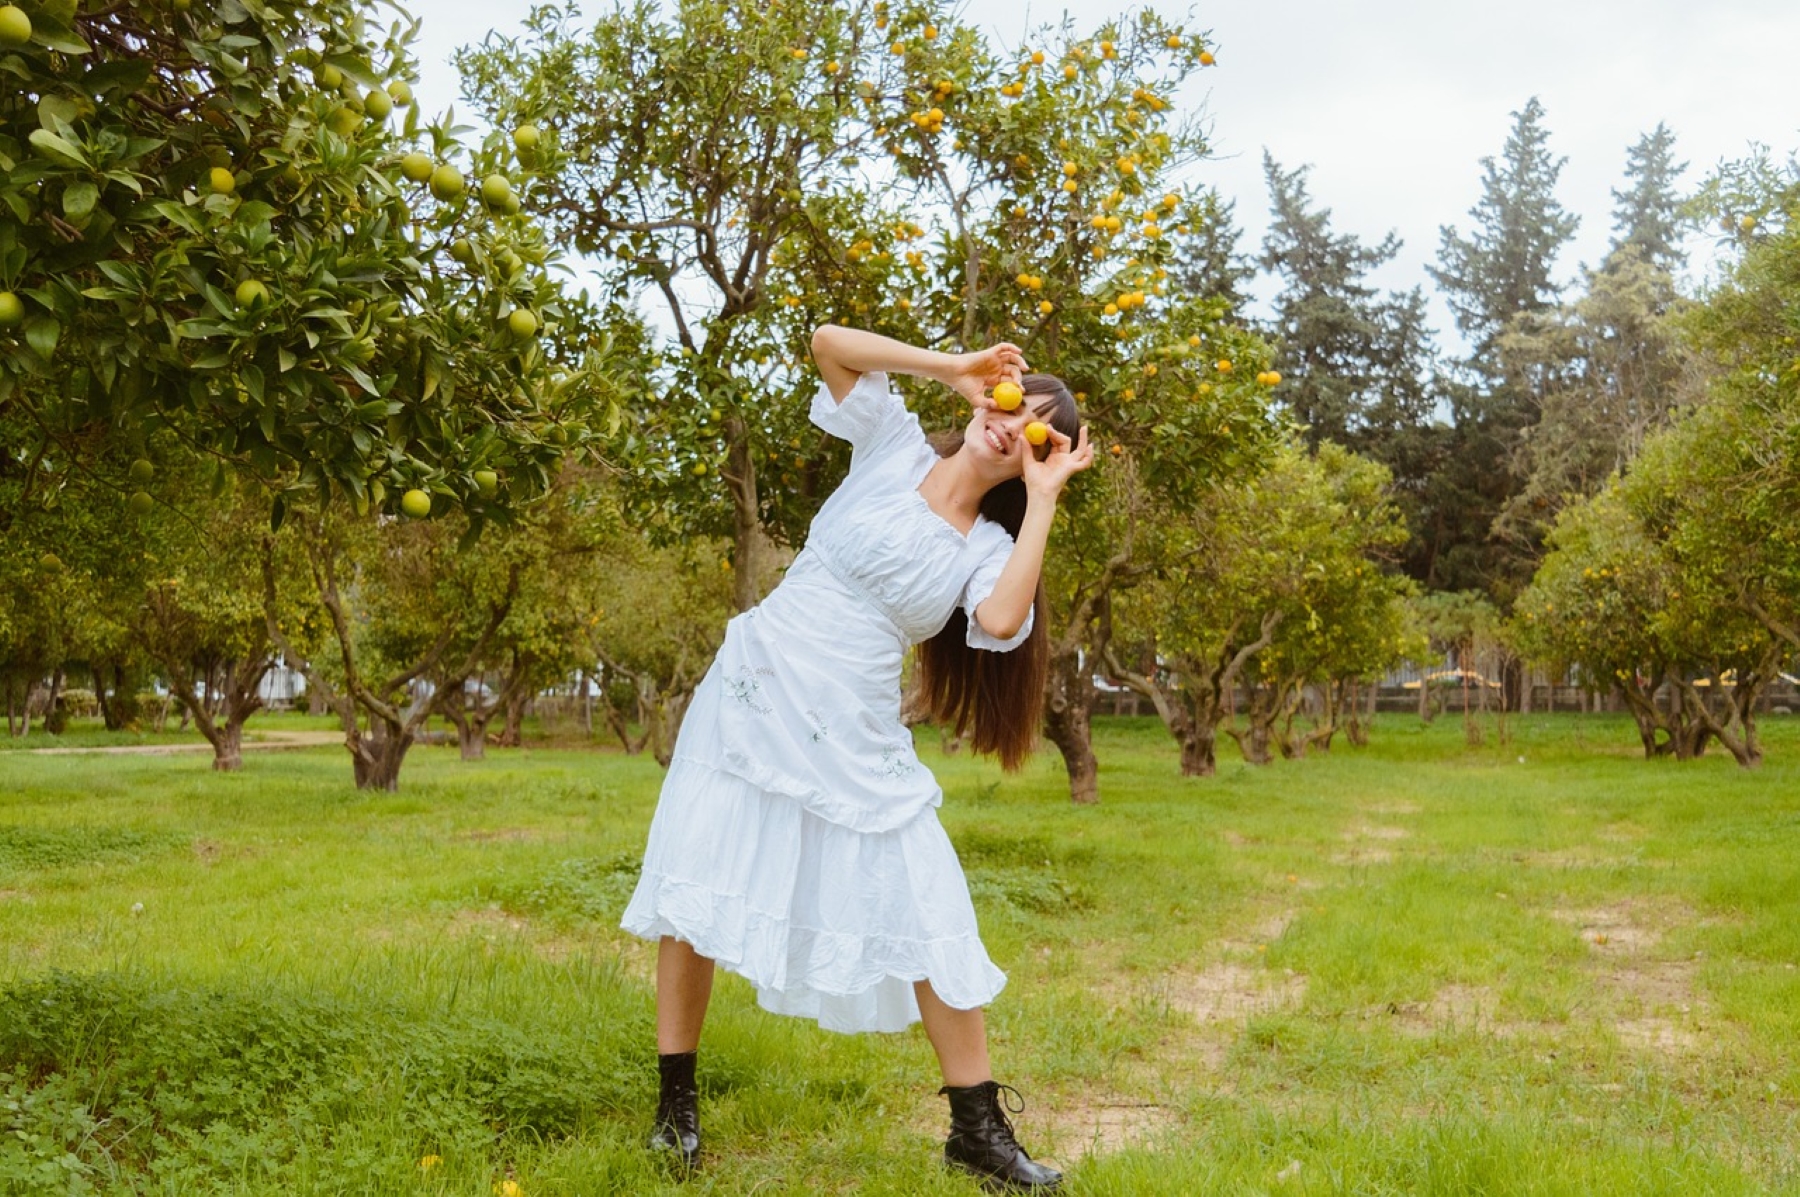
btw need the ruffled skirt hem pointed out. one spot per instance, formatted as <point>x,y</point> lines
<point>827,922</point>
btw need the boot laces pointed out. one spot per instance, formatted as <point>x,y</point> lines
<point>1002,1107</point>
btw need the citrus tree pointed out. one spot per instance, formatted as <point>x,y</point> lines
<point>754,172</point>
<point>225,224</point>
<point>1274,582</point>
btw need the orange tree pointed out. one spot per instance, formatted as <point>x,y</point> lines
<point>224,226</point>
<point>1268,583</point>
<point>210,233</point>
<point>758,171</point>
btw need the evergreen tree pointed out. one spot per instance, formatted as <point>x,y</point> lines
<point>1355,364</point>
<point>1209,265</point>
<point>1647,214</point>
<point>1503,267</point>
<point>1498,274</point>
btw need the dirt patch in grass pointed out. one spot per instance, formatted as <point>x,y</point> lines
<point>1097,1123</point>
<point>1375,831</point>
<point>1394,808</point>
<point>1652,1004</point>
<point>1452,1009</point>
<point>14,895</point>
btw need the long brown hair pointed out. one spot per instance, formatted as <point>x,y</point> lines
<point>1000,693</point>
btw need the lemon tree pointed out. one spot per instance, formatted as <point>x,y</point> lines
<point>750,173</point>
<point>1274,582</point>
<point>208,234</point>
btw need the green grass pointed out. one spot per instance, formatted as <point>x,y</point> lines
<point>1542,967</point>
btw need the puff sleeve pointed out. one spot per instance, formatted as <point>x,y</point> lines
<point>996,548</point>
<point>871,417</point>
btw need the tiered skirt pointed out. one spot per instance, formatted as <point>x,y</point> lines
<point>827,922</point>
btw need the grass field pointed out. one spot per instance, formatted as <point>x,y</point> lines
<point>1544,966</point>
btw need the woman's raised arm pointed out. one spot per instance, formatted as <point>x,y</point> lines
<point>845,354</point>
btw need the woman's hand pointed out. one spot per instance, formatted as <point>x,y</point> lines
<point>972,374</point>
<point>1045,479</point>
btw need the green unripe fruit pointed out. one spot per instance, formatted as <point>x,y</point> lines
<point>221,180</point>
<point>525,138</point>
<point>487,482</point>
<point>521,323</point>
<point>400,91</point>
<point>462,251</point>
<point>416,503</point>
<point>12,310</point>
<point>344,121</point>
<point>496,189</point>
<point>140,504</point>
<point>417,166</point>
<point>252,294</point>
<point>50,563</point>
<point>446,182</point>
<point>699,469</point>
<point>15,26</point>
<point>510,262</point>
<point>328,77</point>
<point>510,205</point>
<point>141,472</point>
<point>378,104</point>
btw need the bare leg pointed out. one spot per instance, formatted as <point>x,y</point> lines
<point>683,987</point>
<point>959,1037</point>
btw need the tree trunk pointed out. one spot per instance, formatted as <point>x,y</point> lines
<point>471,738</point>
<point>1068,711</point>
<point>1199,749</point>
<point>376,758</point>
<point>228,747</point>
<point>746,527</point>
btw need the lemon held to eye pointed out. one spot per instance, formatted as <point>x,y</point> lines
<point>1037,432</point>
<point>1007,396</point>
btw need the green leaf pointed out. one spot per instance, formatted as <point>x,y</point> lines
<point>78,200</point>
<point>42,334</point>
<point>57,147</point>
<point>277,513</point>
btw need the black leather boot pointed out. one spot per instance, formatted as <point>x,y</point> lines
<point>678,1109</point>
<point>981,1139</point>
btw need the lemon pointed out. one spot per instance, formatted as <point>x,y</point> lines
<point>416,503</point>
<point>417,166</point>
<point>1037,432</point>
<point>521,322</point>
<point>15,26</point>
<point>446,182</point>
<point>1007,396</point>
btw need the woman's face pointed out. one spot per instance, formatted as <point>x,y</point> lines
<point>996,439</point>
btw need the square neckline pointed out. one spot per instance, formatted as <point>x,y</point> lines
<point>964,537</point>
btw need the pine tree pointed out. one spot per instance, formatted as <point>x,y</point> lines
<point>1647,214</point>
<point>1355,364</point>
<point>1501,273</point>
<point>1503,267</point>
<point>1210,265</point>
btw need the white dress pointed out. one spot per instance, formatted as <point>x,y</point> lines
<point>796,840</point>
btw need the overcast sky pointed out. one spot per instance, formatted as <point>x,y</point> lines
<point>1395,102</point>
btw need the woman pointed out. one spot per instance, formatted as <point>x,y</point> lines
<point>796,840</point>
